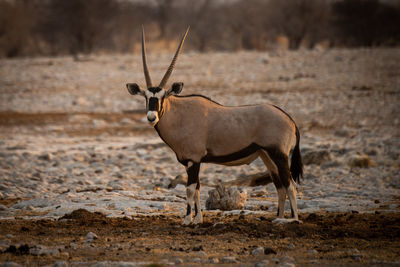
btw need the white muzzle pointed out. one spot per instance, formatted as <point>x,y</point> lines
<point>152,117</point>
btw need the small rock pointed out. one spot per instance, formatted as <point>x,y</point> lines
<point>73,245</point>
<point>213,260</point>
<point>291,246</point>
<point>259,191</point>
<point>342,133</point>
<point>275,260</point>
<point>268,251</point>
<point>228,260</point>
<point>226,199</point>
<point>287,264</point>
<point>360,161</point>
<point>30,208</point>
<point>90,237</point>
<point>9,264</point>
<point>40,250</point>
<point>263,59</point>
<point>353,251</point>
<point>178,261</point>
<point>64,254</point>
<point>2,207</point>
<point>4,244</point>
<point>258,251</point>
<point>126,121</point>
<point>99,123</point>
<point>134,264</point>
<point>330,164</point>
<point>61,264</point>
<point>264,263</point>
<point>197,260</point>
<point>316,157</point>
<point>81,101</point>
<point>201,254</point>
<point>287,259</point>
<point>45,156</point>
<point>312,251</point>
<point>357,257</point>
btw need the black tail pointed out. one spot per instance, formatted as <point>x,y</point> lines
<point>296,164</point>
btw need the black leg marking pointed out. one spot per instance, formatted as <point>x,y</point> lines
<point>281,161</point>
<point>193,175</point>
<point>276,180</point>
<point>277,214</point>
<point>291,209</point>
<point>189,210</point>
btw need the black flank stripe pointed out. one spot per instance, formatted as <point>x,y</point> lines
<point>209,158</point>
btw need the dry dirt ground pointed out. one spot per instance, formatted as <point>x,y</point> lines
<point>65,132</point>
<point>322,239</point>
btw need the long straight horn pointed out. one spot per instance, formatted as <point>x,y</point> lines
<point>171,67</point>
<point>145,68</point>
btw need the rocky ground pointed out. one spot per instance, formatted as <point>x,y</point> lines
<point>72,138</point>
<point>92,239</point>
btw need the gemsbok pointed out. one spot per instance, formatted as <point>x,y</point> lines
<point>200,130</point>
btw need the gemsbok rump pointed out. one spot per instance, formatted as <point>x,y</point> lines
<point>200,130</point>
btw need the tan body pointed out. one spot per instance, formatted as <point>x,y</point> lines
<point>205,127</point>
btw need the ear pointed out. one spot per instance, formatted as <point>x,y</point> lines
<point>176,88</point>
<point>134,89</point>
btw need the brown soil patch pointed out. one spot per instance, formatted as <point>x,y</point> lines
<point>71,125</point>
<point>323,238</point>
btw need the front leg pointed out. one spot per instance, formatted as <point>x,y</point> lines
<point>193,194</point>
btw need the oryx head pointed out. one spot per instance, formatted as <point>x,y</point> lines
<point>155,95</point>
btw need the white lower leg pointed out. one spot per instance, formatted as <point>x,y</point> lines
<point>199,216</point>
<point>291,191</point>
<point>281,201</point>
<point>190,192</point>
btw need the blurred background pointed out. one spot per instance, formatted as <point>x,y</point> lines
<point>58,27</point>
<point>72,137</point>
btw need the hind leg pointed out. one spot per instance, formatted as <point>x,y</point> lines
<point>291,192</point>
<point>286,182</point>
<point>270,164</point>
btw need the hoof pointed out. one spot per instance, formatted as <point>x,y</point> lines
<point>187,220</point>
<point>286,221</point>
<point>198,219</point>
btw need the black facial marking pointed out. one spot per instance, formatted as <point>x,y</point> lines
<point>154,90</point>
<point>153,104</point>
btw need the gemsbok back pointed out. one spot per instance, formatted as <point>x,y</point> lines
<point>200,130</point>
